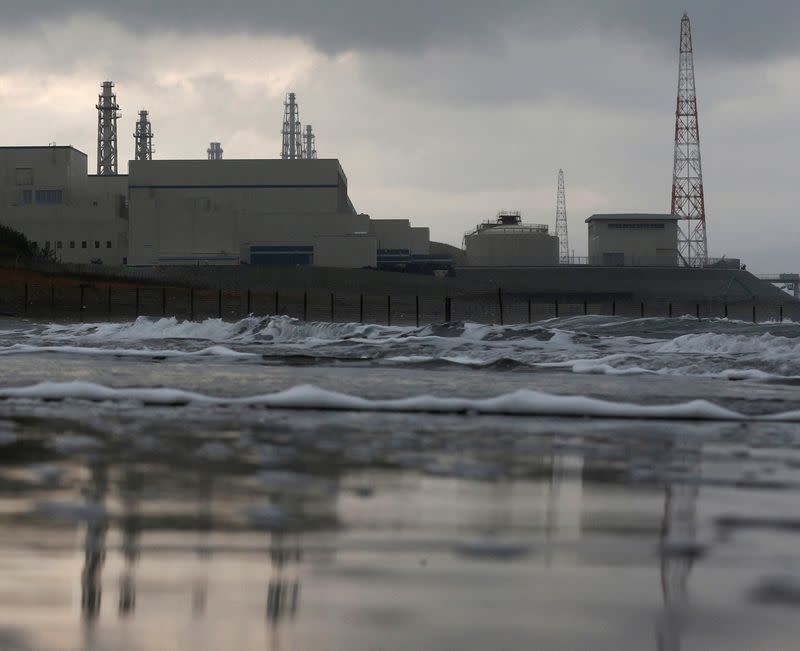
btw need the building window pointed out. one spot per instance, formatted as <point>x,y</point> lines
<point>637,226</point>
<point>94,203</point>
<point>97,244</point>
<point>108,244</point>
<point>47,245</point>
<point>83,244</point>
<point>24,176</point>
<point>49,196</point>
<point>72,244</point>
<point>27,196</point>
<point>59,244</point>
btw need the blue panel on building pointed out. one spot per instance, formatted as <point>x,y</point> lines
<point>276,256</point>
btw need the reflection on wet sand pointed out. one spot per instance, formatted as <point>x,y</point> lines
<point>94,542</point>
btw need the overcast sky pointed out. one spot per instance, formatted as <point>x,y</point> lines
<point>443,112</point>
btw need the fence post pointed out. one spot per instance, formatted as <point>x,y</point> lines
<point>361,308</point>
<point>642,309</point>
<point>25,308</point>
<point>726,310</point>
<point>555,305</point>
<point>163,301</point>
<point>780,317</point>
<point>277,303</point>
<point>52,297</point>
<point>500,303</point>
<point>754,313</point>
<point>305,306</point>
<point>191,304</point>
<point>530,311</point>
<point>585,307</point>
<point>417,297</point>
<point>137,301</point>
<point>448,309</point>
<point>333,301</point>
<point>670,310</point>
<point>109,300</point>
<point>249,311</point>
<point>81,305</point>
<point>219,304</point>
<point>388,310</point>
<point>614,307</point>
<point>697,310</point>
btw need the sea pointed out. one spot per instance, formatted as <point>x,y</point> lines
<point>600,483</point>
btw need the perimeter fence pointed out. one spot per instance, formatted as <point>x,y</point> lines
<point>73,299</point>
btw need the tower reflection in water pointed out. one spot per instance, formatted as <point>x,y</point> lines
<point>95,540</point>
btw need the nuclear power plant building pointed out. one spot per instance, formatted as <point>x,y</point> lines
<point>47,194</point>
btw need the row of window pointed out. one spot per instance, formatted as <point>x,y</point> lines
<point>59,244</point>
<point>43,196</point>
<point>638,226</point>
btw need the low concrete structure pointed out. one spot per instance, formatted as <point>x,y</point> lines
<point>47,194</point>
<point>345,251</point>
<point>633,239</point>
<point>507,242</point>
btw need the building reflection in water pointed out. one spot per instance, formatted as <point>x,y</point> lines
<point>95,541</point>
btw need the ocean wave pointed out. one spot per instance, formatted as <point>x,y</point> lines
<point>523,402</point>
<point>720,348</point>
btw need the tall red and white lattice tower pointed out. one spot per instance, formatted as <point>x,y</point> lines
<point>688,201</point>
<point>561,221</point>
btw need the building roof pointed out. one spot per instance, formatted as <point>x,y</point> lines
<point>22,147</point>
<point>634,216</point>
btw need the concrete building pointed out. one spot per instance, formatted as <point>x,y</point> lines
<point>507,242</point>
<point>249,211</point>
<point>47,194</point>
<point>634,239</point>
<point>190,212</point>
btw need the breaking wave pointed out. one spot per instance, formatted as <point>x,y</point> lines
<point>718,348</point>
<point>307,397</point>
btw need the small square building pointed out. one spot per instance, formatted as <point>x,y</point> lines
<point>633,240</point>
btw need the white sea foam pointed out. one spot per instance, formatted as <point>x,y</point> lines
<point>519,403</point>
<point>715,348</point>
<point>211,351</point>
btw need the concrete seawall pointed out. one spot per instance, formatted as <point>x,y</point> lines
<point>484,296</point>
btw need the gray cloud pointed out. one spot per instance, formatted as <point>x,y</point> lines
<point>730,28</point>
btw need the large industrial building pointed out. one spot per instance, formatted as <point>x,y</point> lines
<point>47,194</point>
<point>507,242</point>
<point>635,239</point>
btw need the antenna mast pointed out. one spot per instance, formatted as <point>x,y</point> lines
<point>107,114</point>
<point>292,134</point>
<point>143,138</point>
<point>688,200</point>
<point>561,221</point>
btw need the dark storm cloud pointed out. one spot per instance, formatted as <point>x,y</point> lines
<point>735,29</point>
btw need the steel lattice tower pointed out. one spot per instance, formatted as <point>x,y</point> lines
<point>143,138</point>
<point>561,221</point>
<point>688,201</point>
<point>214,151</point>
<point>292,131</point>
<point>309,142</point>
<point>107,114</point>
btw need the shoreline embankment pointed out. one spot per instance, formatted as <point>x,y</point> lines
<point>501,296</point>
